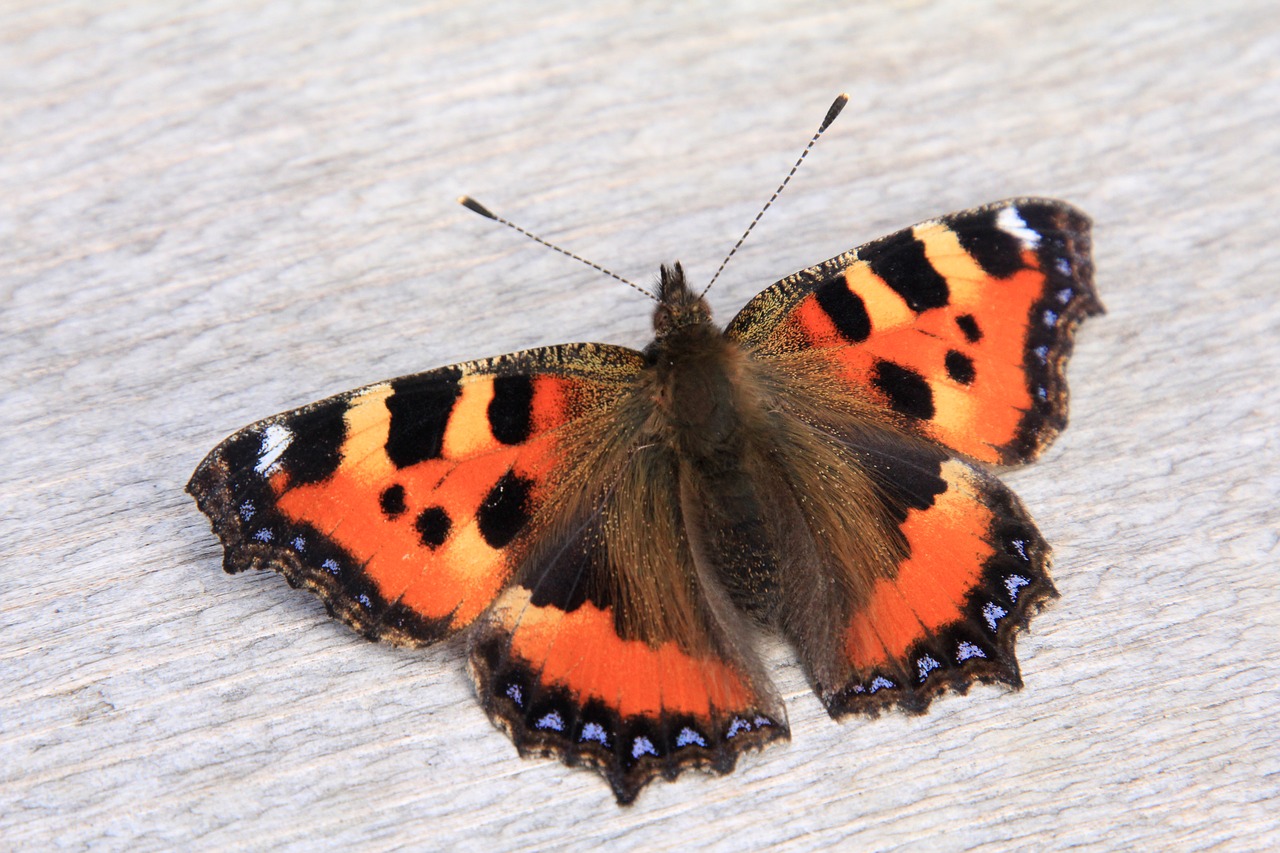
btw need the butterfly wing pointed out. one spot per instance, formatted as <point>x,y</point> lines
<point>974,571</point>
<point>896,363</point>
<point>960,326</point>
<point>400,503</point>
<point>952,568</point>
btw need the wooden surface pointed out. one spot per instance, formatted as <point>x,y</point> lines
<point>213,215</point>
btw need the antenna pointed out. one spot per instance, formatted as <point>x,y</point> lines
<point>836,107</point>
<point>473,205</point>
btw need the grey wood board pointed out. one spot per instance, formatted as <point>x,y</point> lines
<point>218,213</point>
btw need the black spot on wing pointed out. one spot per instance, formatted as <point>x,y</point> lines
<point>511,409</point>
<point>563,579</point>
<point>433,526</point>
<point>908,392</point>
<point>969,327</point>
<point>959,367</point>
<point>392,501</point>
<point>420,407</point>
<point>998,252</point>
<point>910,474</point>
<point>504,510</point>
<point>316,448</point>
<point>900,261</point>
<point>845,309</point>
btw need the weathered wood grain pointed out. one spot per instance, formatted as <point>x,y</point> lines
<point>215,214</point>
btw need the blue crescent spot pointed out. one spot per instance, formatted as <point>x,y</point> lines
<point>993,613</point>
<point>551,721</point>
<point>642,746</point>
<point>688,736</point>
<point>1013,583</point>
<point>595,732</point>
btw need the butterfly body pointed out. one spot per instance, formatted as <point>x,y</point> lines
<point>614,528</point>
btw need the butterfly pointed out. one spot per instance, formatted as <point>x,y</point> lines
<point>615,527</point>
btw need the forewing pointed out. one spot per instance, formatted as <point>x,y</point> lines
<point>404,505</point>
<point>960,327</point>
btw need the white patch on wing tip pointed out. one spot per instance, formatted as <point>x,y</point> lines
<point>276,439</point>
<point>1009,221</point>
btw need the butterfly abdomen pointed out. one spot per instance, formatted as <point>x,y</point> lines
<point>732,534</point>
<point>708,410</point>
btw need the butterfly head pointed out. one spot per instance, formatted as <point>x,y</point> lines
<point>678,306</point>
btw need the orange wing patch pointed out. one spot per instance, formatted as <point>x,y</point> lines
<point>581,652</point>
<point>948,549</point>
<point>398,503</point>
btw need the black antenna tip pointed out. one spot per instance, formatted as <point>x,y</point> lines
<point>471,204</point>
<point>834,111</point>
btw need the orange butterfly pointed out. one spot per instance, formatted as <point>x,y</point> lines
<point>612,526</point>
